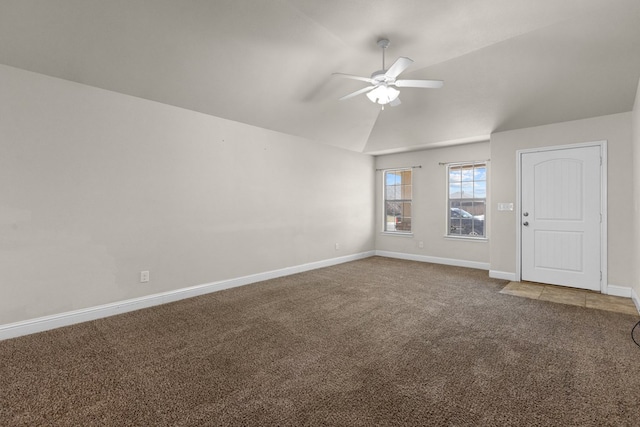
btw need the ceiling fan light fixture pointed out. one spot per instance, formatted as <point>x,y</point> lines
<point>383,94</point>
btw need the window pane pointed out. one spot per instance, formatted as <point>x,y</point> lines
<point>455,226</point>
<point>467,174</point>
<point>403,221</point>
<point>406,210</point>
<point>392,178</point>
<point>406,192</point>
<point>480,173</point>
<point>467,190</point>
<point>455,191</point>
<point>393,208</point>
<point>455,175</point>
<point>480,190</point>
<point>479,210</point>
<point>389,193</point>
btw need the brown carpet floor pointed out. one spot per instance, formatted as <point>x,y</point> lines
<point>372,342</point>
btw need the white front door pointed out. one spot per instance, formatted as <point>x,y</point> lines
<point>560,217</point>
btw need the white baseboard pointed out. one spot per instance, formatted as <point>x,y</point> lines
<point>636,299</point>
<point>504,275</point>
<point>435,260</point>
<point>46,323</point>
<point>618,291</point>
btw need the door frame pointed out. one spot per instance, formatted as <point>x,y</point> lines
<point>603,204</point>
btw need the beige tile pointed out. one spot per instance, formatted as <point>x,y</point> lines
<point>523,289</point>
<point>571,296</point>
<point>564,295</point>
<point>611,303</point>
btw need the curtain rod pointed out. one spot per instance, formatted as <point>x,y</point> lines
<point>404,167</point>
<point>464,163</point>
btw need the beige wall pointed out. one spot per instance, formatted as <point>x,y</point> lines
<point>96,186</point>
<point>636,193</point>
<point>429,223</point>
<point>616,129</point>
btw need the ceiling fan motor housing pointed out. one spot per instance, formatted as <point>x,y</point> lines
<point>379,77</point>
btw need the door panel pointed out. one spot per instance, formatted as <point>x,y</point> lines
<point>560,224</point>
<point>558,250</point>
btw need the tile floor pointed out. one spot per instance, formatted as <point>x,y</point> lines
<point>572,296</point>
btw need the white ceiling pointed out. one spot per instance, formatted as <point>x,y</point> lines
<point>506,64</point>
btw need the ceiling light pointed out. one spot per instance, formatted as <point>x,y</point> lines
<point>383,94</point>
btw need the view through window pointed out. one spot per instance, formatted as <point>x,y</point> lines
<point>467,196</point>
<point>397,200</point>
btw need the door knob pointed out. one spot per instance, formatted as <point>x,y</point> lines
<point>525,214</point>
<point>526,223</point>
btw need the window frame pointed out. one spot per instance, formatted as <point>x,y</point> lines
<point>461,165</point>
<point>385,223</point>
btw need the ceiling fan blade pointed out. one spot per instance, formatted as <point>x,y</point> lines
<point>430,84</point>
<point>356,93</point>
<point>351,76</point>
<point>399,66</point>
<point>395,102</point>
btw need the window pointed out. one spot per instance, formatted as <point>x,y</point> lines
<point>467,199</point>
<point>397,200</point>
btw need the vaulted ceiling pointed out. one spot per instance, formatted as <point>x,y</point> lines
<point>506,64</point>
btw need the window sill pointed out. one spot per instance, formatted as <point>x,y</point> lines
<point>467,238</point>
<point>396,233</point>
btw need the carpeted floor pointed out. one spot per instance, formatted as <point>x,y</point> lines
<point>372,342</point>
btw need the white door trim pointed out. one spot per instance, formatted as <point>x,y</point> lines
<point>603,204</point>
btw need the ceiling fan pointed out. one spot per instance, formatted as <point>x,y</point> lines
<point>381,90</point>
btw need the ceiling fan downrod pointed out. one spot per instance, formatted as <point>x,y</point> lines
<point>384,44</point>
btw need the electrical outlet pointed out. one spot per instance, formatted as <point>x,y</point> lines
<point>421,244</point>
<point>337,246</point>
<point>144,276</point>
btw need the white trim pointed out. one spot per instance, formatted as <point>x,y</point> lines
<point>636,299</point>
<point>603,205</point>
<point>619,291</point>
<point>435,260</point>
<point>518,212</point>
<point>467,238</point>
<point>504,275</point>
<point>46,323</point>
<point>396,233</point>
